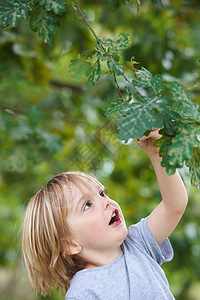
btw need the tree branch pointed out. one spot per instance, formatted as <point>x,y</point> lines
<point>10,111</point>
<point>120,95</point>
<point>60,84</point>
<point>85,19</point>
<point>131,85</point>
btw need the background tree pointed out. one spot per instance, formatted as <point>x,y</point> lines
<point>51,123</point>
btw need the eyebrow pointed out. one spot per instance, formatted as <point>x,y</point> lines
<point>87,196</point>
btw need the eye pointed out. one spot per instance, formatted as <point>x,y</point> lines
<point>102,194</point>
<point>87,205</point>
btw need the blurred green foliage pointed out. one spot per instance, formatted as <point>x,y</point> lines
<point>50,123</point>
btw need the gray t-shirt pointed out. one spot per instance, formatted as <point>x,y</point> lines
<point>134,275</point>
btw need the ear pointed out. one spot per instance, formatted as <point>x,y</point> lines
<point>71,248</point>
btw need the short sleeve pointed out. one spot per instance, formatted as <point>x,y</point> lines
<point>141,236</point>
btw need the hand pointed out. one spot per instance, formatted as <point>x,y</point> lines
<point>146,142</point>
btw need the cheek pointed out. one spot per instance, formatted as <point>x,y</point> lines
<point>88,225</point>
<point>91,234</point>
<point>94,226</point>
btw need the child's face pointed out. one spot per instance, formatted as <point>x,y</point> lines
<point>96,221</point>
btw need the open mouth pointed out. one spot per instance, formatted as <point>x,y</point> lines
<point>115,219</point>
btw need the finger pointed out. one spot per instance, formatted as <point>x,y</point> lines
<point>144,138</point>
<point>153,134</point>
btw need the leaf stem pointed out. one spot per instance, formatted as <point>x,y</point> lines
<point>85,19</point>
<point>131,85</point>
<point>120,95</point>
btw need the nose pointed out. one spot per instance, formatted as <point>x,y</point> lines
<point>106,203</point>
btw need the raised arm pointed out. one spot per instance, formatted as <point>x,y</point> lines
<point>167,214</point>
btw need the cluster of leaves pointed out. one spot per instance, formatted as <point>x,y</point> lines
<point>149,105</point>
<point>171,110</point>
<point>89,62</point>
<point>25,137</point>
<point>43,15</point>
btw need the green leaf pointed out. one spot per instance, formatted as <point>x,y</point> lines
<point>181,147</point>
<point>113,107</point>
<point>122,42</point>
<point>44,22</point>
<point>130,64</point>
<point>101,52</point>
<point>145,79</point>
<point>115,46</point>
<point>95,72</point>
<point>194,167</point>
<point>129,94</point>
<point>189,113</point>
<point>184,105</point>
<point>12,11</point>
<point>21,131</point>
<point>164,143</point>
<point>169,120</point>
<point>88,54</point>
<point>79,67</point>
<point>113,65</point>
<point>139,118</point>
<point>57,6</point>
<point>178,93</point>
<point>50,142</point>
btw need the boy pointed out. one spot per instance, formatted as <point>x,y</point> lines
<point>74,232</point>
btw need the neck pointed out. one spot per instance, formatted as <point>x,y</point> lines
<point>100,259</point>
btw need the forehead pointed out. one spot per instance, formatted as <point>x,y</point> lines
<point>84,186</point>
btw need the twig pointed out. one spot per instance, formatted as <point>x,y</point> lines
<point>88,24</point>
<point>120,95</point>
<point>60,84</point>
<point>10,111</point>
<point>131,85</point>
<point>85,19</point>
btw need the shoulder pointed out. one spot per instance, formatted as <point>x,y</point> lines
<point>140,237</point>
<point>80,286</point>
<point>76,289</point>
<point>138,232</point>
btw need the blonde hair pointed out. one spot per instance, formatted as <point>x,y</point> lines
<point>44,230</point>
